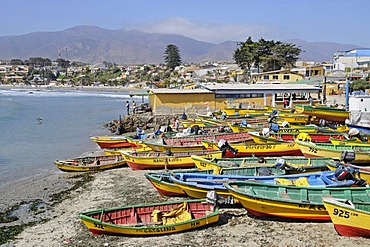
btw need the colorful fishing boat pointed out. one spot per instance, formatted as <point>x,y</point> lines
<point>194,142</point>
<point>111,141</point>
<point>323,112</point>
<point>297,163</point>
<point>165,160</point>
<point>361,172</point>
<point>197,185</point>
<point>352,142</point>
<point>272,137</point>
<point>315,150</point>
<point>151,219</point>
<point>294,202</point>
<point>91,163</point>
<point>350,219</point>
<point>245,150</point>
<point>363,129</point>
<point>292,129</point>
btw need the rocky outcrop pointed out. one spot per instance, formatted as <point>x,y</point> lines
<point>146,121</point>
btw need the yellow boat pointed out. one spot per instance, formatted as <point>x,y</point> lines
<point>315,150</point>
<point>293,202</point>
<point>151,219</point>
<point>352,142</point>
<point>194,142</point>
<point>323,112</point>
<point>350,219</point>
<point>292,129</point>
<point>362,172</point>
<point>111,141</point>
<point>272,149</point>
<point>163,160</point>
<point>90,163</point>
<point>215,163</point>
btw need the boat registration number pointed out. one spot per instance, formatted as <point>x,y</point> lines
<point>343,213</point>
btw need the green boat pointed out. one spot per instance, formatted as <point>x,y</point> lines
<point>299,162</point>
<point>304,203</point>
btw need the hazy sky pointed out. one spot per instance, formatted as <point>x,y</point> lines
<point>342,21</point>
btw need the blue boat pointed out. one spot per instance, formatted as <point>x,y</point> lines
<point>197,185</point>
<point>363,129</point>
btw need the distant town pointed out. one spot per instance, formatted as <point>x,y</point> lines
<point>352,64</point>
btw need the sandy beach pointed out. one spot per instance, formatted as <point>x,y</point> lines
<point>125,187</point>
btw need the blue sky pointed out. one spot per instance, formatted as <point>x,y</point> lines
<point>342,21</point>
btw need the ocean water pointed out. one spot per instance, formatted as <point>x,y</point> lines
<point>28,147</point>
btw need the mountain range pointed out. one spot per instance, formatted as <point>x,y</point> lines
<point>92,44</point>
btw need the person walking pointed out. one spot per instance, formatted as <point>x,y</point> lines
<point>128,107</point>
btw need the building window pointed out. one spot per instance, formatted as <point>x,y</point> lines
<point>266,77</point>
<point>239,96</point>
<point>286,77</point>
<point>275,77</point>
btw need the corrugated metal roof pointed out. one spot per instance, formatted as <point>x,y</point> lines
<point>179,91</point>
<point>258,87</point>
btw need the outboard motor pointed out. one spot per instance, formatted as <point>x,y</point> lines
<point>347,156</point>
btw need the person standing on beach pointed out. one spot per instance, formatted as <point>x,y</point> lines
<point>128,107</point>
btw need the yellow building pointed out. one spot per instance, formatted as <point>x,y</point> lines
<point>216,96</point>
<point>277,75</point>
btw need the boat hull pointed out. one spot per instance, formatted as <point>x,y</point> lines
<point>164,188</point>
<point>315,150</point>
<point>112,141</point>
<point>272,149</point>
<point>304,203</point>
<point>140,223</point>
<point>347,219</point>
<point>79,165</point>
<point>151,160</point>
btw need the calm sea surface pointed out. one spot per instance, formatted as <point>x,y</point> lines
<point>28,148</point>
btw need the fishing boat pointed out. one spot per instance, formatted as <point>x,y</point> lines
<point>163,184</point>
<point>350,219</point>
<point>197,185</point>
<point>292,129</point>
<point>361,172</point>
<point>151,219</point>
<point>297,163</point>
<point>294,202</point>
<point>363,129</point>
<point>165,160</point>
<point>352,142</point>
<point>315,150</point>
<point>271,137</point>
<point>91,163</point>
<point>192,143</point>
<point>111,141</point>
<point>270,149</point>
<point>244,111</point>
<point>323,112</point>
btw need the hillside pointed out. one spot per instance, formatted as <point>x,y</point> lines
<point>92,44</point>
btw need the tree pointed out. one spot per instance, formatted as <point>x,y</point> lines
<point>16,62</point>
<point>266,54</point>
<point>172,56</point>
<point>63,63</point>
